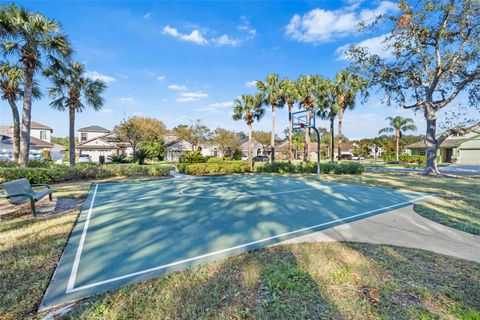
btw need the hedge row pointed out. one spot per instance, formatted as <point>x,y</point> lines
<point>60,173</point>
<point>311,167</point>
<point>220,167</point>
<point>406,158</point>
<point>225,167</point>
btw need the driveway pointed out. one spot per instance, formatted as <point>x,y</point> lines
<point>461,169</point>
<point>453,169</point>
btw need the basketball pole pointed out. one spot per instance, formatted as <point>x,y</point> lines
<point>318,149</point>
<point>311,126</point>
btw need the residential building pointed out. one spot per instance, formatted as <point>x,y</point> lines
<point>460,149</point>
<point>101,146</point>
<point>40,138</point>
<point>257,148</point>
<point>175,149</point>
<point>91,132</point>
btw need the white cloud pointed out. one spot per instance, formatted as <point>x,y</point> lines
<point>321,25</point>
<point>217,105</point>
<point>128,100</point>
<point>251,84</point>
<point>191,96</point>
<point>247,28</point>
<point>195,36</point>
<point>121,75</point>
<point>147,15</point>
<point>161,78</point>
<point>186,99</point>
<point>106,110</point>
<point>177,87</point>
<point>195,95</point>
<point>99,76</point>
<point>375,45</point>
<point>225,40</point>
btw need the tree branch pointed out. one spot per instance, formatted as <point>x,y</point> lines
<point>460,130</point>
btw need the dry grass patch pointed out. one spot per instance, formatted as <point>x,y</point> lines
<point>304,281</point>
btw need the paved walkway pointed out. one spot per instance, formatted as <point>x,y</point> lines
<point>402,227</point>
<point>453,169</point>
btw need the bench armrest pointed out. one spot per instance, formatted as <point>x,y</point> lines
<point>41,185</point>
<point>21,194</point>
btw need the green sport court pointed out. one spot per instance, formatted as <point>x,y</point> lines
<point>133,231</point>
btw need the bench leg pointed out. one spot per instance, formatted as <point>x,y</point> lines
<point>50,196</point>
<point>32,206</point>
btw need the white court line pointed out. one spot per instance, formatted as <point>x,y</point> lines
<point>76,262</point>
<point>95,284</point>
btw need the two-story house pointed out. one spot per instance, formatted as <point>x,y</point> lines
<point>40,138</point>
<point>91,132</point>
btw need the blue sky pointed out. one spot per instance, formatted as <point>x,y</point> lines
<point>189,60</point>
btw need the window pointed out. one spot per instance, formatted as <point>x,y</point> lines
<point>215,152</point>
<point>422,152</point>
<point>43,135</point>
<point>83,137</point>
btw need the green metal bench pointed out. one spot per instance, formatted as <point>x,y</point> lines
<point>21,191</point>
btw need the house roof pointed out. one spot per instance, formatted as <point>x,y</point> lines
<point>448,143</point>
<point>94,128</point>
<point>8,129</point>
<point>37,125</point>
<point>107,139</point>
<point>33,141</point>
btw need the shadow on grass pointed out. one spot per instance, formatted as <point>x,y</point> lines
<point>303,281</point>
<point>30,250</point>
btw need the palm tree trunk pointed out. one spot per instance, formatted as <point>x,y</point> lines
<point>272,140</point>
<point>250,156</point>
<point>306,157</point>
<point>16,130</point>
<point>397,142</point>
<point>332,139</point>
<point>71,136</point>
<point>340,122</point>
<point>290,148</point>
<point>26,118</point>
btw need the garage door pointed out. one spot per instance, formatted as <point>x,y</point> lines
<point>471,156</point>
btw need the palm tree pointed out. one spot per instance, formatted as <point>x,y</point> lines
<point>328,109</point>
<point>27,35</point>
<point>11,78</point>
<point>289,94</point>
<point>11,91</point>
<point>398,125</point>
<point>347,85</point>
<point>249,108</point>
<point>72,90</point>
<point>272,96</point>
<point>306,96</point>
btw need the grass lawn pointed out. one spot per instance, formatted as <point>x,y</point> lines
<point>458,204</point>
<point>294,281</point>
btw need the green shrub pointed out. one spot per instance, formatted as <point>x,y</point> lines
<point>406,158</point>
<point>222,167</point>
<point>214,160</point>
<point>120,158</point>
<point>192,157</point>
<point>7,164</point>
<point>311,167</point>
<point>81,172</point>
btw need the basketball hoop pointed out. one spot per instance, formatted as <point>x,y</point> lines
<point>306,119</point>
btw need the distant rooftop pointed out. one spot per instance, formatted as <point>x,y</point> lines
<point>36,125</point>
<point>94,129</point>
